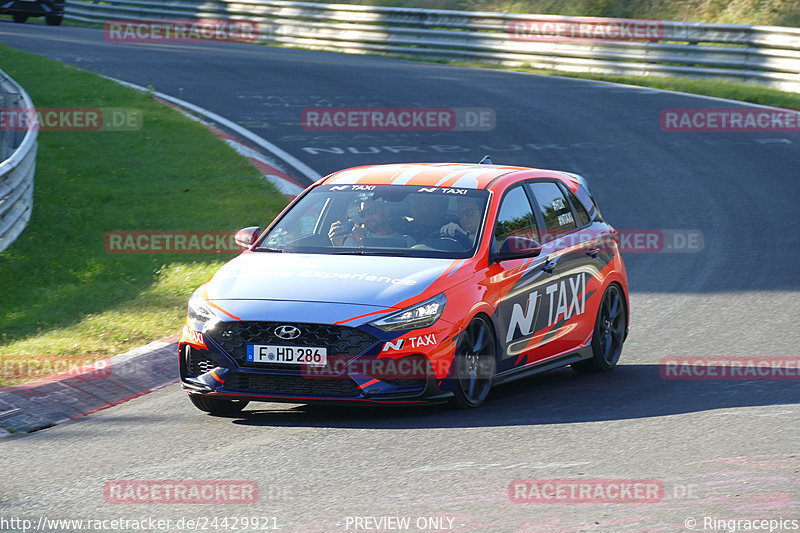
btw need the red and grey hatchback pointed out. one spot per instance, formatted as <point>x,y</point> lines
<point>410,283</point>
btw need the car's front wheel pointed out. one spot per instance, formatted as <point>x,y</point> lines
<point>218,406</point>
<point>609,333</point>
<point>54,20</point>
<point>20,18</point>
<point>476,362</point>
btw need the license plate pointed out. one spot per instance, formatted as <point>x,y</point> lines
<point>287,355</point>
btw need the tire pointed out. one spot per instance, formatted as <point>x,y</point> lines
<point>476,363</point>
<point>609,333</point>
<point>19,18</point>
<point>217,406</point>
<point>54,20</point>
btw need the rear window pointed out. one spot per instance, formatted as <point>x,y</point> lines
<point>580,211</point>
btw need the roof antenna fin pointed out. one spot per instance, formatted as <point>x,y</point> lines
<point>487,160</point>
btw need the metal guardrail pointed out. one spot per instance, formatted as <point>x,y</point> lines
<point>763,54</point>
<point>17,165</point>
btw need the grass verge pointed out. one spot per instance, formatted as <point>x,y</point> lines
<point>63,295</point>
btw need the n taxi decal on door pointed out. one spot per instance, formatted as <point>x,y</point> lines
<point>565,299</point>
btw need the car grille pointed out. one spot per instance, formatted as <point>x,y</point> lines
<point>408,382</point>
<point>291,384</point>
<point>233,337</point>
<point>199,363</point>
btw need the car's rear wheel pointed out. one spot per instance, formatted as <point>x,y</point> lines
<point>218,406</point>
<point>54,20</point>
<point>609,333</point>
<point>476,362</point>
<point>20,18</point>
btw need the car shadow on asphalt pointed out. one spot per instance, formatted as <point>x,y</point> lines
<point>559,397</point>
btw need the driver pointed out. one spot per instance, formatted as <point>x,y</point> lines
<point>469,218</point>
<point>375,214</point>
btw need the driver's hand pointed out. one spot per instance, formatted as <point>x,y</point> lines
<point>339,231</point>
<point>451,230</point>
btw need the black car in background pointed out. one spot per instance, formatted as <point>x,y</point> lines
<point>20,10</point>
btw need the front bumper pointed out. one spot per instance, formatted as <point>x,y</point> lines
<point>430,395</point>
<point>211,370</point>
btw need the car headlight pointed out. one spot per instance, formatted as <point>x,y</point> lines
<point>201,313</point>
<point>418,316</point>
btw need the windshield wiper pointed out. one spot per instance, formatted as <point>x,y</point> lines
<point>365,252</point>
<point>273,250</point>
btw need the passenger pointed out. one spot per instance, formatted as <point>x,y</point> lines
<point>375,214</point>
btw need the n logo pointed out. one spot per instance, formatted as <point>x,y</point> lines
<point>396,345</point>
<point>524,320</point>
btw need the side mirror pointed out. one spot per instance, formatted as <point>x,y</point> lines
<point>515,247</point>
<point>247,236</point>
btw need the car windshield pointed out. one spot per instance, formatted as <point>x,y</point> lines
<point>395,220</point>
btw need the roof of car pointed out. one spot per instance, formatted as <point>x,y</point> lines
<point>464,175</point>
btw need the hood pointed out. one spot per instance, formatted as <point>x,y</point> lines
<point>377,281</point>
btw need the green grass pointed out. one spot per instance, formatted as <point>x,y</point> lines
<point>62,293</point>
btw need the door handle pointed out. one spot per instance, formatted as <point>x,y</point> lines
<point>593,252</point>
<point>550,265</point>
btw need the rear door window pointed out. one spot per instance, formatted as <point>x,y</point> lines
<point>554,208</point>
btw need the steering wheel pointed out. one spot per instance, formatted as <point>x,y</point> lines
<point>458,243</point>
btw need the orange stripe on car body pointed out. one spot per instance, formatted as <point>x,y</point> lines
<point>362,316</point>
<point>215,306</point>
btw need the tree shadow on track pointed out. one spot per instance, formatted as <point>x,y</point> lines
<point>560,397</point>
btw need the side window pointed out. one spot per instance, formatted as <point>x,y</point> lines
<point>514,218</point>
<point>555,209</point>
<point>580,211</point>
